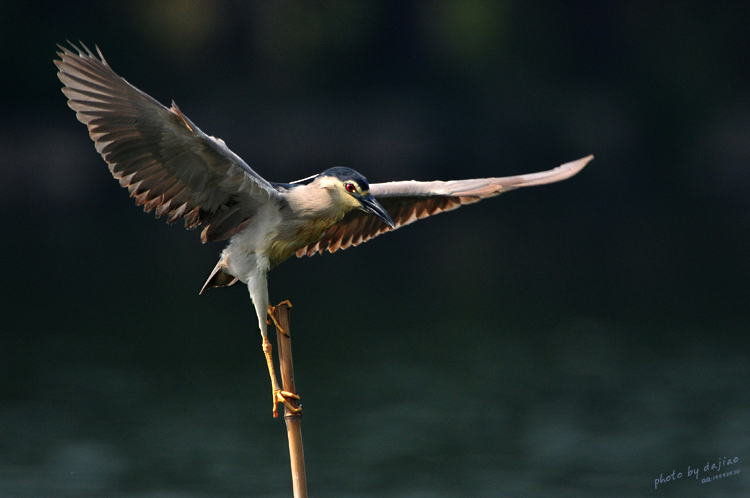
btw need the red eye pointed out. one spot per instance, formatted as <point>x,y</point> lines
<point>350,187</point>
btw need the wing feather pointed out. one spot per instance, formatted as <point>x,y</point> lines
<point>167,163</point>
<point>409,201</point>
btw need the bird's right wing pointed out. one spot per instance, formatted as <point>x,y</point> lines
<point>166,162</point>
<point>409,201</point>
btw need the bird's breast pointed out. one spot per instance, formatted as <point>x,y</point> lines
<point>297,235</point>
<point>275,233</point>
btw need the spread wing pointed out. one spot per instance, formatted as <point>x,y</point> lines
<point>410,201</point>
<point>167,163</point>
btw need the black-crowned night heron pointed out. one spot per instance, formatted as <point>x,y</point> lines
<point>169,165</point>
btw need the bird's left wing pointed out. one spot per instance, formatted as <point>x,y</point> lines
<point>166,162</point>
<point>409,201</point>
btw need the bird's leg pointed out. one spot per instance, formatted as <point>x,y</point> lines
<point>272,316</point>
<point>279,396</point>
<point>256,284</point>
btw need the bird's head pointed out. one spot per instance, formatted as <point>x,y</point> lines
<point>350,190</point>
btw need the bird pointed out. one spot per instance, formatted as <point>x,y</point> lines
<point>171,167</point>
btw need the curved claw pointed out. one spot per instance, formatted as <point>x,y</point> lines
<point>280,396</point>
<point>271,316</point>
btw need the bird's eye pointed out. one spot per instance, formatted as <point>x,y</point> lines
<point>350,187</point>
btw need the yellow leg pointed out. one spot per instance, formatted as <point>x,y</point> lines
<point>279,396</point>
<point>272,318</point>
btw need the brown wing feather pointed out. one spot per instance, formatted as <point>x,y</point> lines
<point>157,153</point>
<point>410,201</point>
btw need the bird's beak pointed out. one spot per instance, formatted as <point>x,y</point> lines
<point>370,205</point>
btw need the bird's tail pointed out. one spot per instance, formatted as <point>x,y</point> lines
<point>219,277</point>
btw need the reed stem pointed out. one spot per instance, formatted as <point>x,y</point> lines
<point>293,420</point>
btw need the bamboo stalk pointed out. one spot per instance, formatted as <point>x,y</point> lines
<point>293,420</point>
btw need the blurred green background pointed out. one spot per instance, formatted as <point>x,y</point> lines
<point>579,339</point>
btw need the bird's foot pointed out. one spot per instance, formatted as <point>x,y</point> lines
<point>271,318</point>
<point>280,396</point>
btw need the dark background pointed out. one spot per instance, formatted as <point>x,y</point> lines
<point>579,339</point>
